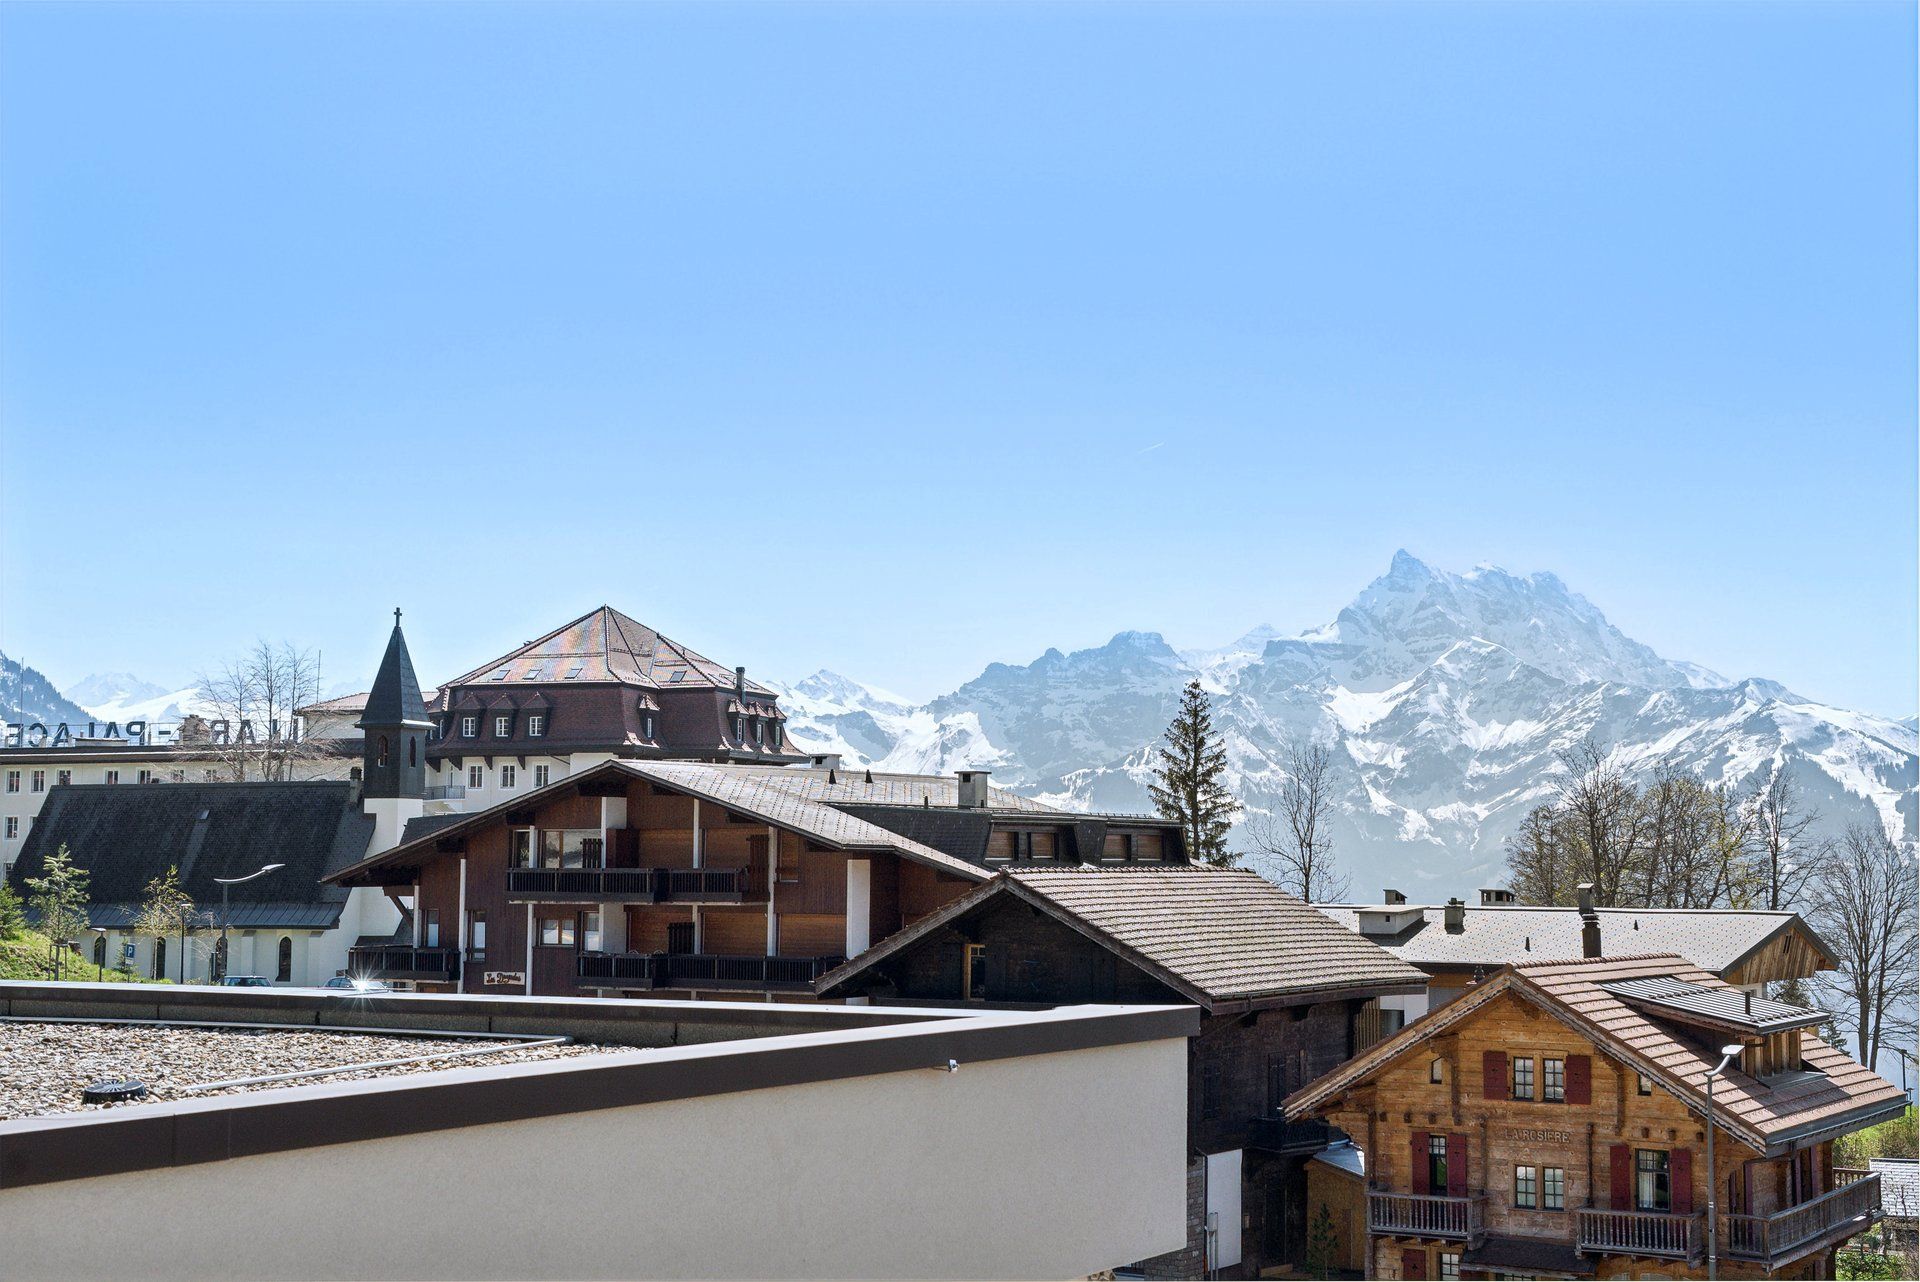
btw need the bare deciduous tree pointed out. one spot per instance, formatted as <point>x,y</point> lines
<point>1297,839</point>
<point>1864,903</point>
<point>1605,813</point>
<point>255,695</point>
<point>1788,857</point>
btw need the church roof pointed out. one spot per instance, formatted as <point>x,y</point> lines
<point>395,697</point>
<point>606,645</point>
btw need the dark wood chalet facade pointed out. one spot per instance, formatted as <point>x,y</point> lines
<point>689,879</point>
<point>1553,1122</point>
<point>1285,993</point>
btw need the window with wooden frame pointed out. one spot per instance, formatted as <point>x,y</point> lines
<point>1449,1266</point>
<point>1652,1180</point>
<point>1553,1188</point>
<point>1526,1188</point>
<point>469,727</point>
<point>1553,1080</point>
<point>39,781</point>
<point>536,725</point>
<point>1522,1077</point>
<point>590,930</point>
<point>113,776</point>
<point>476,776</point>
<point>1437,1071</point>
<point>973,973</point>
<point>520,848</point>
<point>13,781</point>
<point>557,932</point>
<point>430,932</point>
<point>506,776</point>
<point>1437,1162</point>
<point>477,935</point>
<point>502,726</point>
<point>1643,1085</point>
<point>541,774</point>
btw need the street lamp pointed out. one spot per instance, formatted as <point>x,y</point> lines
<point>1728,1054</point>
<point>221,978</point>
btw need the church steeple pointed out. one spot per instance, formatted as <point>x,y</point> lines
<point>394,754</point>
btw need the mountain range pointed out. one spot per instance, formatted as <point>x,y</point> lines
<point>1447,698</point>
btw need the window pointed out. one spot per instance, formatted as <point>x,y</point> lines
<point>430,936</point>
<point>39,781</point>
<point>499,674</point>
<point>469,727</point>
<point>1437,1071</point>
<point>1553,1188</point>
<point>1523,1077</point>
<point>973,973</point>
<point>740,729</point>
<point>63,776</point>
<point>536,725</point>
<point>1449,1266</point>
<point>178,776</point>
<point>540,776</point>
<point>1643,1083</point>
<point>1392,1020</point>
<point>759,732</point>
<point>477,935</point>
<point>1437,1163</point>
<point>520,848</point>
<point>506,776</point>
<point>146,776</point>
<point>573,673</point>
<point>381,758</point>
<point>413,752</point>
<point>113,776</point>
<point>1652,1190</point>
<point>476,776</point>
<point>13,781</point>
<point>1526,1188</point>
<point>556,931</point>
<point>284,972</point>
<point>502,727</point>
<point>1553,1080</point>
<point>13,827</point>
<point>590,932</point>
<point>646,726</point>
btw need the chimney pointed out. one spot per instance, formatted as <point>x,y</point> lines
<point>1395,897</point>
<point>826,761</point>
<point>740,683</point>
<point>1456,915</point>
<point>1589,922</point>
<point>1495,895</point>
<point>973,789</point>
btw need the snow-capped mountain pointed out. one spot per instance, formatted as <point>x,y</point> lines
<point>26,696</point>
<point>123,697</point>
<point>1447,695</point>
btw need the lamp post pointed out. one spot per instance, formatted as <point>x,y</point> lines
<point>225,882</point>
<point>1727,1055</point>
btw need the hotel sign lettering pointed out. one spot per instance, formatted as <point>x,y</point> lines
<point>139,734</point>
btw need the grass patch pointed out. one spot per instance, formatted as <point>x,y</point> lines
<point>29,955</point>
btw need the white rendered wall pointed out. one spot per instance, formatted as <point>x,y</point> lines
<point>1057,1165</point>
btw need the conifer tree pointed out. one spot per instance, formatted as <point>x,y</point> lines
<point>13,916</point>
<point>1189,780</point>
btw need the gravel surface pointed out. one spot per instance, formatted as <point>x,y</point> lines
<point>44,1066</point>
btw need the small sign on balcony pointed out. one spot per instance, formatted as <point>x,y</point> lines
<point>518,978</point>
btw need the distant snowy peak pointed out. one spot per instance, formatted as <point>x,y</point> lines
<point>1216,666</point>
<point>101,689</point>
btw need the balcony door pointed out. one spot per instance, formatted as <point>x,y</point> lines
<point>680,938</point>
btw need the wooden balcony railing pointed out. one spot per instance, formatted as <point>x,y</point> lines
<point>1832,1217</point>
<point>1845,1175</point>
<point>1423,1215</point>
<point>699,970</point>
<point>403,961</point>
<point>646,885</point>
<point>1655,1233</point>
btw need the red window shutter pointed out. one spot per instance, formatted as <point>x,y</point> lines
<point>1422,1169</point>
<point>1493,1072</point>
<point>1456,1166</point>
<point>1579,1079</point>
<point>1680,1180</point>
<point>1621,1159</point>
<point>1413,1264</point>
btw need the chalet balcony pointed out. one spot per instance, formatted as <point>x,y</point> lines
<point>1421,1215</point>
<point>1277,1135</point>
<point>1645,1233</point>
<point>404,961</point>
<point>1777,1239</point>
<point>700,970</point>
<point>444,792</point>
<point>632,885</point>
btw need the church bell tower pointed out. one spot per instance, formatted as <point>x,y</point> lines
<point>393,756</point>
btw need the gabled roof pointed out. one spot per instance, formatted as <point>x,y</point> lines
<point>125,835</point>
<point>750,791</point>
<point>606,645</point>
<point>1836,1095</point>
<point>1221,936</point>
<point>1494,935</point>
<point>395,698</point>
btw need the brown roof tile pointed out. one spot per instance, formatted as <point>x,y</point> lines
<point>606,645</point>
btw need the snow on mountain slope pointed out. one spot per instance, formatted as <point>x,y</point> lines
<point>1448,697</point>
<point>26,697</point>
<point>123,697</point>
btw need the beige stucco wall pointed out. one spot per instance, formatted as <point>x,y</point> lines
<point>1054,1165</point>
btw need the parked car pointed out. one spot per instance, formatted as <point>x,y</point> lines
<point>247,981</point>
<point>348,984</point>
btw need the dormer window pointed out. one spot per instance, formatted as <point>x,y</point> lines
<point>760,732</point>
<point>740,729</point>
<point>469,727</point>
<point>536,725</point>
<point>646,727</point>
<point>502,726</point>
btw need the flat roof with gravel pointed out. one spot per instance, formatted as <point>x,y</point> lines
<point>44,1066</point>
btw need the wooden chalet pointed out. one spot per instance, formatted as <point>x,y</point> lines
<point>1283,991</point>
<point>1553,1122</point>
<point>695,879</point>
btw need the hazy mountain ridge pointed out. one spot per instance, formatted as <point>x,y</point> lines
<point>1448,696</point>
<point>26,696</point>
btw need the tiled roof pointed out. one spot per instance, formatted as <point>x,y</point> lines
<point>1836,1092</point>
<point>1899,1186</point>
<point>352,703</point>
<point>1494,936</point>
<point>860,787</point>
<point>606,645</point>
<point>1728,1007</point>
<point>1219,935</point>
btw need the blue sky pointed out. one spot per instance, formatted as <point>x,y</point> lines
<point>904,339</point>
